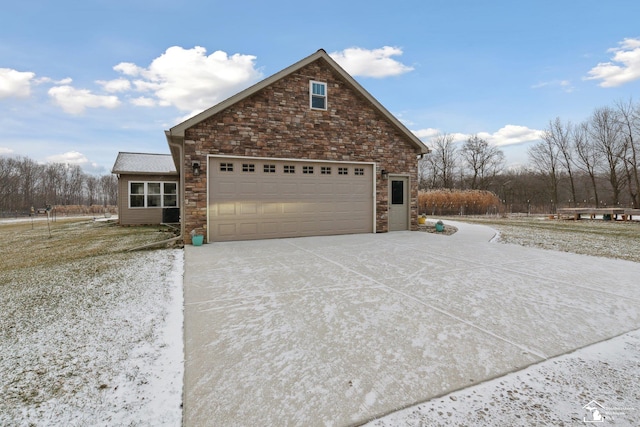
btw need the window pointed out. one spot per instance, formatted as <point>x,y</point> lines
<point>318,92</point>
<point>358,171</point>
<point>343,171</point>
<point>325,170</point>
<point>136,194</point>
<point>153,194</point>
<point>307,170</point>
<point>397,192</point>
<point>248,167</point>
<point>226,167</point>
<point>170,194</point>
<point>269,169</point>
<point>289,169</point>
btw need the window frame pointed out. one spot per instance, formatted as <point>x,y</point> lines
<point>146,194</point>
<point>313,95</point>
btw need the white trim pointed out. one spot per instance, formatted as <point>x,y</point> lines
<point>325,96</point>
<point>408,201</point>
<point>286,159</point>
<point>146,194</point>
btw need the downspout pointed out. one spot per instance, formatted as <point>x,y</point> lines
<point>179,147</point>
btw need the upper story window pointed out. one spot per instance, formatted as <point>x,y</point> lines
<point>318,92</point>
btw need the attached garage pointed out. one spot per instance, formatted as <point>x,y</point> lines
<point>257,198</point>
<point>305,152</point>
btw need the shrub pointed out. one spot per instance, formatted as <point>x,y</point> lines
<point>457,202</point>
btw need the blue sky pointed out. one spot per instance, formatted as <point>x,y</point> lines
<point>82,80</point>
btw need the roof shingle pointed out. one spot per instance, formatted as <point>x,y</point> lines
<point>144,163</point>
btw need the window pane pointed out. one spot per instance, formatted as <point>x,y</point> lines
<point>318,102</point>
<point>170,188</point>
<point>137,188</point>
<point>153,201</point>
<point>136,201</point>
<point>153,188</point>
<point>170,201</point>
<point>397,192</point>
<point>318,89</point>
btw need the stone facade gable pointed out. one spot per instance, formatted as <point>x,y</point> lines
<point>277,121</point>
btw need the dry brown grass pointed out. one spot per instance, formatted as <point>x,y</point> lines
<point>29,244</point>
<point>451,202</point>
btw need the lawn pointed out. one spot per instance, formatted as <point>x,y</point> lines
<point>610,239</point>
<point>89,332</point>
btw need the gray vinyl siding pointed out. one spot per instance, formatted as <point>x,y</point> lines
<point>139,216</point>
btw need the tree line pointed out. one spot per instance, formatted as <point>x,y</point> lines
<point>25,183</point>
<point>594,163</point>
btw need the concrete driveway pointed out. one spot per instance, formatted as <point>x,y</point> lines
<point>339,330</point>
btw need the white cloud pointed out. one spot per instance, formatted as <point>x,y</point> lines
<point>143,101</point>
<point>5,150</point>
<point>427,133</point>
<point>15,83</point>
<point>189,79</point>
<point>371,63</point>
<point>564,85</point>
<point>508,135</point>
<point>511,134</point>
<point>75,101</point>
<point>117,85</point>
<point>624,67</point>
<point>65,81</point>
<point>70,158</point>
<point>128,69</point>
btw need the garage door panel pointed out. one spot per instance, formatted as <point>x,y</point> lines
<point>270,228</point>
<point>226,230</point>
<point>249,208</point>
<point>261,204</point>
<point>289,227</point>
<point>271,208</point>
<point>268,188</point>
<point>225,209</point>
<point>248,228</point>
<point>226,188</point>
<point>248,188</point>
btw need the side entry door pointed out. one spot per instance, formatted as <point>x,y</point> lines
<point>398,203</point>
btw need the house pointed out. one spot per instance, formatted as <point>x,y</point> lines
<point>305,152</point>
<point>147,188</point>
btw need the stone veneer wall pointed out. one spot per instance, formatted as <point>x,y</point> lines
<point>278,122</point>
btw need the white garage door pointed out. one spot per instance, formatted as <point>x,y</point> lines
<point>265,198</point>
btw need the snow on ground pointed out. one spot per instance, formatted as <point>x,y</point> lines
<point>100,350</point>
<point>107,350</point>
<point>563,391</point>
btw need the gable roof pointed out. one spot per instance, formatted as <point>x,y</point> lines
<point>176,133</point>
<point>144,164</point>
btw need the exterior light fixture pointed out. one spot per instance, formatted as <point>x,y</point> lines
<point>384,174</point>
<point>196,168</point>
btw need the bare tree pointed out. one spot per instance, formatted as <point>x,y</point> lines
<point>442,160</point>
<point>544,157</point>
<point>109,189</point>
<point>24,184</point>
<point>587,156</point>
<point>9,179</point>
<point>484,161</point>
<point>629,118</point>
<point>605,129</point>
<point>557,134</point>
